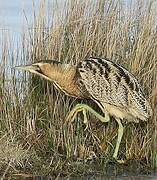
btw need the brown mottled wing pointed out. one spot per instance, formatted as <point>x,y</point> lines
<point>110,83</point>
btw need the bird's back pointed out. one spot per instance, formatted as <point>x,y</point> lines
<point>114,89</point>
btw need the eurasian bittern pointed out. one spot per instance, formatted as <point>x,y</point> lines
<point>112,87</point>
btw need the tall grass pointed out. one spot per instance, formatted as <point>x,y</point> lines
<point>33,135</point>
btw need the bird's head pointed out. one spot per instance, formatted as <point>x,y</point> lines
<point>45,69</point>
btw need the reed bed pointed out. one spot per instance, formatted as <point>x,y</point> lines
<point>34,139</point>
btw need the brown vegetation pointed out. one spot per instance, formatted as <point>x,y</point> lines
<point>33,135</point>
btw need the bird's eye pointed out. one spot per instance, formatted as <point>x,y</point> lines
<point>38,69</point>
<point>37,66</point>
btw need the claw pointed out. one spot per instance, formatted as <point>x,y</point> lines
<point>120,161</point>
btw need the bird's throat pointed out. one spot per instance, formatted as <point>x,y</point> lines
<point>64,78</point>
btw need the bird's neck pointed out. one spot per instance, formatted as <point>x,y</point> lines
<point>64,77</point>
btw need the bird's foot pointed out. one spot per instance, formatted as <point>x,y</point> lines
<point>116,160</point>
<point>120,161</point>
<point>72,115</point>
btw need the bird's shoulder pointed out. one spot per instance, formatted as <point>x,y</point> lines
<point>109,82</point>
<point>109,71</point>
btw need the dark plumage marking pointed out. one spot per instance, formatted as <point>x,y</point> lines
<point>91,62</point>
<point>141,92</point>
<point>128,81</point>
<point>89,65</point>
<point>110,80</point>
<point>81,70</point>
<point>136,86</point>
<point>125,76</point>
<point>99,67</point>
<point>102,66</point>
<point>118,78</point>
<point>121,71</point>
<point>133,86</point>
<point>106,74</point>
<point>105,70</point>
<point>96,65</point>
<point>94,71</point>
<point>105,65</point>
<point>79,66</point>
<point>39,71</point>
<point>141,101</point>
<point>142,104</point>
<point>101,70</point>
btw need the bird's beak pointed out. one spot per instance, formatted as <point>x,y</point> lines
<point>26,68</point>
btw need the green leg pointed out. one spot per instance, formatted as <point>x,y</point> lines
<point>120,135</point>
<point>85,119</point>
<point>84,108</point>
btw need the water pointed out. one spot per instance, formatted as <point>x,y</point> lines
<point>13,14</point>
<point>17,15</point>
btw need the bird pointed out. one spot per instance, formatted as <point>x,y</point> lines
<point>112,87</point>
